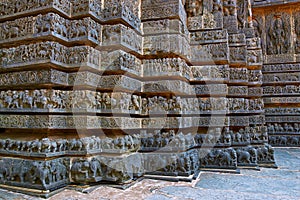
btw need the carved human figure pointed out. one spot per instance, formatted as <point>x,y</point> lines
<point>277,35</point>
<point>194,8</point>
<point>229,7</point>
<point>241,13</point>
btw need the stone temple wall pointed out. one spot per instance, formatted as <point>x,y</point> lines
<point>96,91</point>
<point>278,26</point>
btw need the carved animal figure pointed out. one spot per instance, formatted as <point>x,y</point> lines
<point>17,169</point>
<point>43,23</point>
<point>224,158</point>
<point>95,167</point>
<point>243,156</point>
<point>13,32</point>
<point>283,140</point>
<point>58,170</point>
<point>294,140</point>
<point>40,172</point>
<point>46,145</point>
<point>36,146</point>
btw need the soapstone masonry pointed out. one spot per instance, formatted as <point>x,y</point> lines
<point>108,91</point>
<point>278,27</point>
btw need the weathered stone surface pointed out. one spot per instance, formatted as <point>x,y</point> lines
<point>124,79</point>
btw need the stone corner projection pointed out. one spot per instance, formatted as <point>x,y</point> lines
<point>108,91</point>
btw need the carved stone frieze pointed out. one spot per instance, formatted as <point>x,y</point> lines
<point>238,75</point>
<point>253,43</point>
<point>204,14</point>
<point>255,77</point>
<point>218,158</point>
<point>237,40</point>
<point>214,136</point>
<point>109,11</point>
<point>281,67</point>
<point>110,82</point>
<point>68,122</point>
<point>249,135</point>
<point>284,140</point>
<point>239,121</point>
<point>211,89</point>
<point>265,155</point>
<point>26,78</point>
<point>210,53</point>
<point>48,25</point>
<point>281,90</point>
<point>95,122</point>
<point>171,164</point>
<point>283,128</point>
<point>35,174</point>
<point>165,26</point>
<point>175,44</point>
<point>106,168</point>
<point>14,8</point>
<point>280,58</point>
<point>120,60</point>
<point>241,105</point>
<point>238,55</point>
<point>282,77</point>
<point>163,9</point>
<point>246,156</point>
<point>166,67</point>
<point>119,36</point>
<point>254,58</point>
<point>282,111</point>
<point>56,77</point>
<point>64,101</point>
<point>50,52</point>
<point>167,86</point>
<point>46,147</point>
<point>279,119</point>
<point>204,37</point>
<point>177,83</point>
<point>255,92</point>
<point>166,141</point>
<point>82,8</point>
<point>207,73</point>
<point>230,16</point>
<point>282,100</point>
<point>122,10</point>
<point>238,91</point>
<point>257,120</point>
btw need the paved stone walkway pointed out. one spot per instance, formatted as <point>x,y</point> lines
<point>274,184</point>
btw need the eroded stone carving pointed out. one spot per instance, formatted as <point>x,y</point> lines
<point>207,56</point>
<point>39,174</point>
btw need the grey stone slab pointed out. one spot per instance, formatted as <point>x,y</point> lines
<point>215,194</point>
<point>250,183</point>
<point>284,174</point>
<point>288,158</point>
<point>7,195</point>
<point>158,197</point>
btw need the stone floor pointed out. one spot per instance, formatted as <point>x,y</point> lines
<point>282,183</point>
